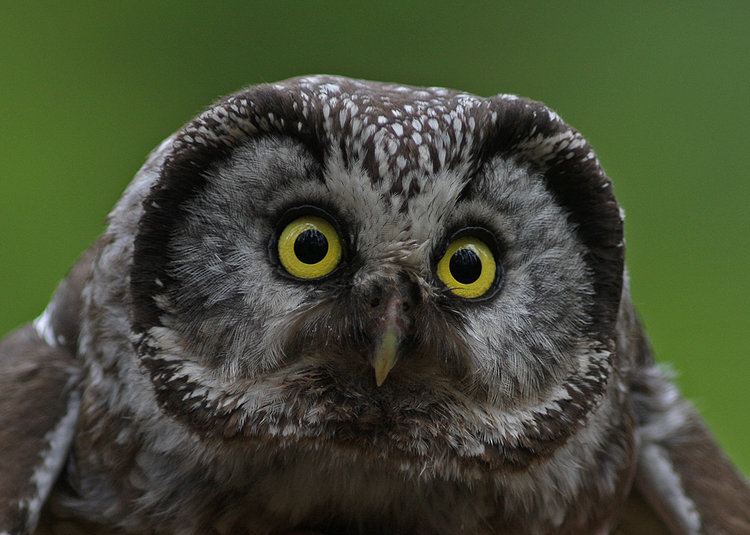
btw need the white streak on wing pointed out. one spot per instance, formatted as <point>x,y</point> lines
<point>667,483</point>
<point>52,460</point>
<point>668,422</point>
<point>43,328</point>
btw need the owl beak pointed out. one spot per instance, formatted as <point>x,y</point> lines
<point>384,356</point>
<point>390,327</point>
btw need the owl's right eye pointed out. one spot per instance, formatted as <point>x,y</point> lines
<point>309,247</point>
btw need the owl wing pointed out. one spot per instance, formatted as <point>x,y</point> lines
<point>684,484</point>
<point>39,402</point>
<point>681,471</point>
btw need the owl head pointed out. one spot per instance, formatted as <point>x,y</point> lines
<point>407,275</point>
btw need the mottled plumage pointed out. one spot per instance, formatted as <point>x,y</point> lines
<point>219,389</point>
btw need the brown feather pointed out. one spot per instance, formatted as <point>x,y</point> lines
<point>36,381</point>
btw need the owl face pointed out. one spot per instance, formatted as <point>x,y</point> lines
<point>357,267</point>
<point>255,293</point>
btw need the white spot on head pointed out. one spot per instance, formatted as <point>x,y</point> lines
<point>330,88</point>
<point>392,146</point>
<point>508,97</point>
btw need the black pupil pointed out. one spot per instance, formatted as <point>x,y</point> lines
<point>311,246</point>
<point>465,266</point>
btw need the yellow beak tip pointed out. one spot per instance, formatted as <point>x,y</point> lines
<point>380,376</point>
<point>385,355</point>
<point>383,364</point>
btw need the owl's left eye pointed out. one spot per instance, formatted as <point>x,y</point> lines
<point>309,247</point>
<point>468,267</point>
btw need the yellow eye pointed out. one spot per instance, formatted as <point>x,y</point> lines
<point>468,267</point>
<point>309,247</point>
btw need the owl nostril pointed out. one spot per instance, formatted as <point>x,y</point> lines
<point>402,295</point>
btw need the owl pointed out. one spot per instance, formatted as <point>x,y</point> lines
<point>332,306</point>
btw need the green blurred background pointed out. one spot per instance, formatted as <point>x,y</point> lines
<point>662,91</point>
